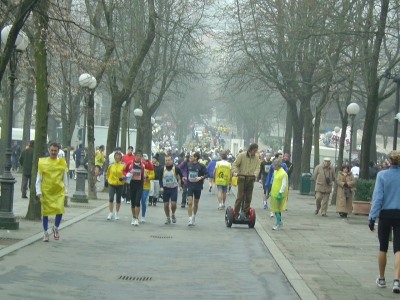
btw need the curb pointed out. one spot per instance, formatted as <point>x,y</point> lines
<point>38,236</point>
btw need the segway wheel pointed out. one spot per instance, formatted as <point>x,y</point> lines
<point>228,217</point>
<point>252,220</point>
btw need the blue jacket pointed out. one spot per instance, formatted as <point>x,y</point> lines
<point>210,168</point>
<point>386,196</point>
<point>270,176</point>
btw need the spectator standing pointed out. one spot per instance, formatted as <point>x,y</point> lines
<point>345,186</point>
<point>26,161</point>
<point>323,176</point>
<point>16,152</point>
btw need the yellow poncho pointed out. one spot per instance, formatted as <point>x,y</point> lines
<point>52,186</point>
<point>279,205</point>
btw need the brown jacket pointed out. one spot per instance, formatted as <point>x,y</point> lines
<point>320,175</point>
<point>342,204</point>
<point>246,164</point>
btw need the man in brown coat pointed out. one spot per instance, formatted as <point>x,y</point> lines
<point>324,176</point>
<point>246,163</point>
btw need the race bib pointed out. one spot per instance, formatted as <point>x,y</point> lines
<point>136,174</point>
<point>192,176</point>
<point>169,181</point>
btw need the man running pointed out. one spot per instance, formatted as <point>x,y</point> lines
<point>169,181</point>
<point>264,167</point>
<point>197,172</point>
<point>127,159</point>
<point>135,174</point>
<point>222,177</point>
<point>52,189</point>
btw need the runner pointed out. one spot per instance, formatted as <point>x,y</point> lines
<point>222,176</point>
<point>127,159</point>
<point>98,162</point>
<point>210,169</point>
<point>197,172</point>
<point>135,176</point>
<point>264,169</point>
<point>148,175</point>
<point>116,181</point>
<point>169,181</point>
<point>154,184</point>
<point>52,189</point>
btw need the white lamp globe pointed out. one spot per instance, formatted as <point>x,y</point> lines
<point>353,109</point>
<point>328,134</point>
<point>24,41</point>
<point>337,129</point>
<point>92,83</point>
<point>85,80</point>
<point>138,112</point>
<point>313,121</point>
<point>397,116</point>
<point>152,120</point>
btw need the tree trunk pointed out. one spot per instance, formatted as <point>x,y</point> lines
<point>42,104</point>
<point>373,154</point>
<point>92,194</point>
<point>308,133</point>
<point>297,146</point>
<point>143,142</point>
<point>317,124</point>
<point>288,131</point>
<point>30,94</point>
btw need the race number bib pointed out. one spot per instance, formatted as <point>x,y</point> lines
<point>192,176</point>
<point>136,174</point>
<point>169,181</point>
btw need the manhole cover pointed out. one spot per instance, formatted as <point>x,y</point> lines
<point>130,278</point>
<point>161,237</point>
<point>8,241</point>
<point>80,206</point>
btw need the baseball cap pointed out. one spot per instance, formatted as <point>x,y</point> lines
<point>145,157</point>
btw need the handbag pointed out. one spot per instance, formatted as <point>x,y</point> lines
<point>234,180</point>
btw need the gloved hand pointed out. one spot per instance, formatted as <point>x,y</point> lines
<point>346,185</point>
<point>129,176</point>
<point>122,178</point>
<point>279,196</point>
<point>106,184</point>
<point>371,225</point>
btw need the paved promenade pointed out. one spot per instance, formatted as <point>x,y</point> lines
<point>310,258</point>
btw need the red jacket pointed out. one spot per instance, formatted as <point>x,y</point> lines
<point>128,159</point>
<point>129,167</point>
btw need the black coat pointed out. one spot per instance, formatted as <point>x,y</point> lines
<point>26,161</point>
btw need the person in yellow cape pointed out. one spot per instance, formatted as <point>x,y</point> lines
<point>279,192</point>
<point>222,178</point>
<point>52,189</point>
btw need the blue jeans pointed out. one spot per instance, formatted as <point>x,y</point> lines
<point>145,193</point>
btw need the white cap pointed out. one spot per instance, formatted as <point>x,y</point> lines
<point>145,157</point>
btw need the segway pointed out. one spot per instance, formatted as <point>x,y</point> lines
<point>242,218</point>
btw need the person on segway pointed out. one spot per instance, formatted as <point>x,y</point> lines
<point>246,163</point>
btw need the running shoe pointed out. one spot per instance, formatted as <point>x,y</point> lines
<point>55,233</point>
<point>381,282</point>
<point>143,220</point>
<point>276,227</point>
<point>128,202</point>
<point>265,205</point>
<point>396,286</point>
<point>194,220</point>
<point>46,237</point>
<point>110,216</point>
<point>272,214</point>
<point>136,222</point>
<point>173,219</point>
<point>190,222</point>
<point>133,221</point>
<point>210,189</point>
<point>122,199</point>
<point>168,221</point>
<point>116,217</point>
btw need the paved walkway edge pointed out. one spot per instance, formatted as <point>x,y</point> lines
<point>39,236</point>
<point>291,274</point>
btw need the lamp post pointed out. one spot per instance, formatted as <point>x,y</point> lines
<point>87,82</point>
<point>352,110</point>
<point>7,181</point>
<point>396,110</point>
<point>138,113</point>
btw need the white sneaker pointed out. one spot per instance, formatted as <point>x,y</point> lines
<point>142,220</point>
<point>110,216</point>
<point>190,222</point>
<point>276,227</point>
<point>194,220</point>
<point>272,214</point>
<point>116,217</point>
<point>128,202</point>
<point>136,222</point>
<point>168,221</point>
<point>133,221</point>
<point>173,219</point>
<point>122,199</point>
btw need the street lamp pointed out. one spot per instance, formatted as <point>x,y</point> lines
<point>87,82</point>
<point>352,110</point>
<point>336,138</point>
<point>138,113</point>
<point>7,181</point>
<point>396,79</point>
